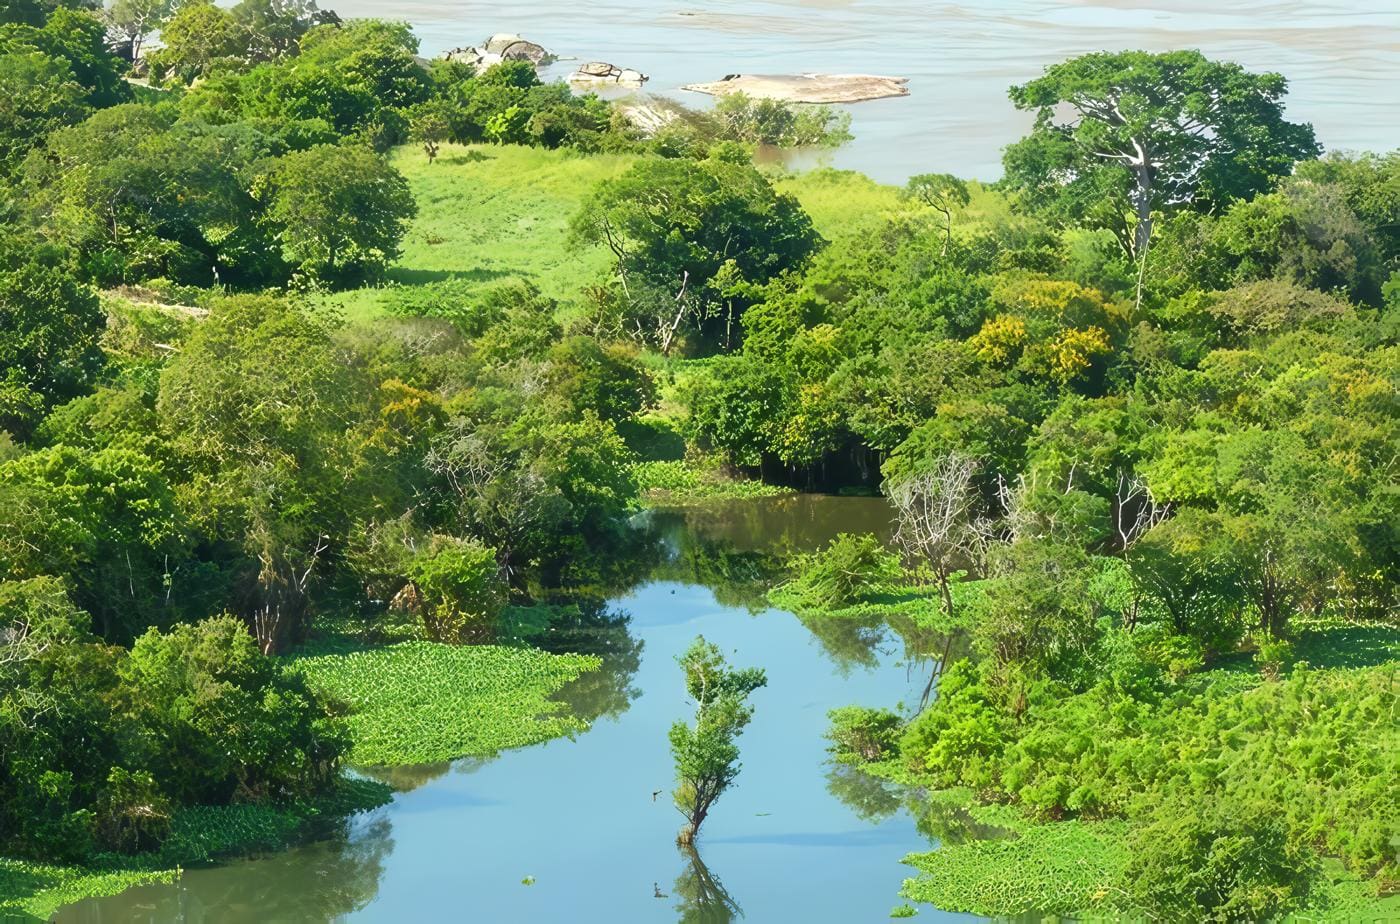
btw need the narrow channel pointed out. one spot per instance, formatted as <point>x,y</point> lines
<point>583,830</point>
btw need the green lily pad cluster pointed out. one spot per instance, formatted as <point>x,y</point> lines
<point>680,481</point>
<point>34,891</point>
<point>1062,868</point>
<point>422,702</point>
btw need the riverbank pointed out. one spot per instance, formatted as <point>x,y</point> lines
<point>478,827</point>
<point>1317,740</point>
<point>407,704</point>
<point>199,836</point>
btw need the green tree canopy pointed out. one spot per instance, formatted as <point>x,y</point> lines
<point>691,240</point>
<point>49,329</point>
<point>341,211</point>
<point>1120,135</point>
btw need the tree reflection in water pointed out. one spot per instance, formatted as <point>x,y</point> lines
<point>586,625</point>
<point>700,896</point>
<point>871,798</point>
<point>317,882</point>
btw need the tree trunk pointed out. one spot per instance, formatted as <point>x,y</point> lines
<point>1142,205</point>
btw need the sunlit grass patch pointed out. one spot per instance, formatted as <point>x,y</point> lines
<point>491,213</point>
<point>421,702</point>
<point>836,198</point>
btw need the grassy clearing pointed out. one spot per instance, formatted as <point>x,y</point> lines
<point>488,213</point>
<point>838,199</point>
<point>421,702</point>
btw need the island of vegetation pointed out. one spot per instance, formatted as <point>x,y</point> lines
<point>332,381</point>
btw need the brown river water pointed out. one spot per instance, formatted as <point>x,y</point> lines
<point>1341,57</point>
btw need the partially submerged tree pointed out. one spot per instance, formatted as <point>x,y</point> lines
<point>706,755</point>
<point>1120,135</point>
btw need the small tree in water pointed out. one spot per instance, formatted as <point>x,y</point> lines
<point>706,755</point>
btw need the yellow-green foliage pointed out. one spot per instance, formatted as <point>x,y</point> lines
<point>421,702</point>
<point>836,199</point>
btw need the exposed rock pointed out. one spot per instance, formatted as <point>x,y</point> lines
<point>600,73</point>
<point>500,47</point>
<point>807,88</point>
<point>472,57</point>
<point>514,48</point>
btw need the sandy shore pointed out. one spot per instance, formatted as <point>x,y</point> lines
<point>807,88</point>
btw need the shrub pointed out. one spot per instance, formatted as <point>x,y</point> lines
<point>462,590</point>
<point>842,573</point>
<point>861,735</point>
<point>1206,862</point>
<point>132,813</point>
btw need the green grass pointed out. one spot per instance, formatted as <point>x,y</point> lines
<point>421,702</point>
<point>489,213</point>
<point>838,199</point>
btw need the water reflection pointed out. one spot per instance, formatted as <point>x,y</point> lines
<point>591,626</point>
<point>781,526</point>
<point>317,882</point>
<point>575,815</point>
<point>700,896</point>
<point>871,798</point>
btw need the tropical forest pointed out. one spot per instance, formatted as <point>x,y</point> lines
<point>457,479</point>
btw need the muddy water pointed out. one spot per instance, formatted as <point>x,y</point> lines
<point>587,822</point>
<point>1342,57</point>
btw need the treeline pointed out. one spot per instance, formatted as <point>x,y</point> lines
<point>274,468</point>
<point>1131,452</point>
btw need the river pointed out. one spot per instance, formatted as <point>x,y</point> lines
<point>571,831</point>
<point>1341,57</point>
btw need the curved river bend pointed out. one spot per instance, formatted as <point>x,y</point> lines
<point>576,819</point>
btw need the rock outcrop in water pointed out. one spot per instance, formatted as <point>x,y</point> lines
<point>600,73</point>
<point>807,88</point>
<point>503,46</point>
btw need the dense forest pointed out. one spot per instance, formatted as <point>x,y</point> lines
<point>1134,407</point>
